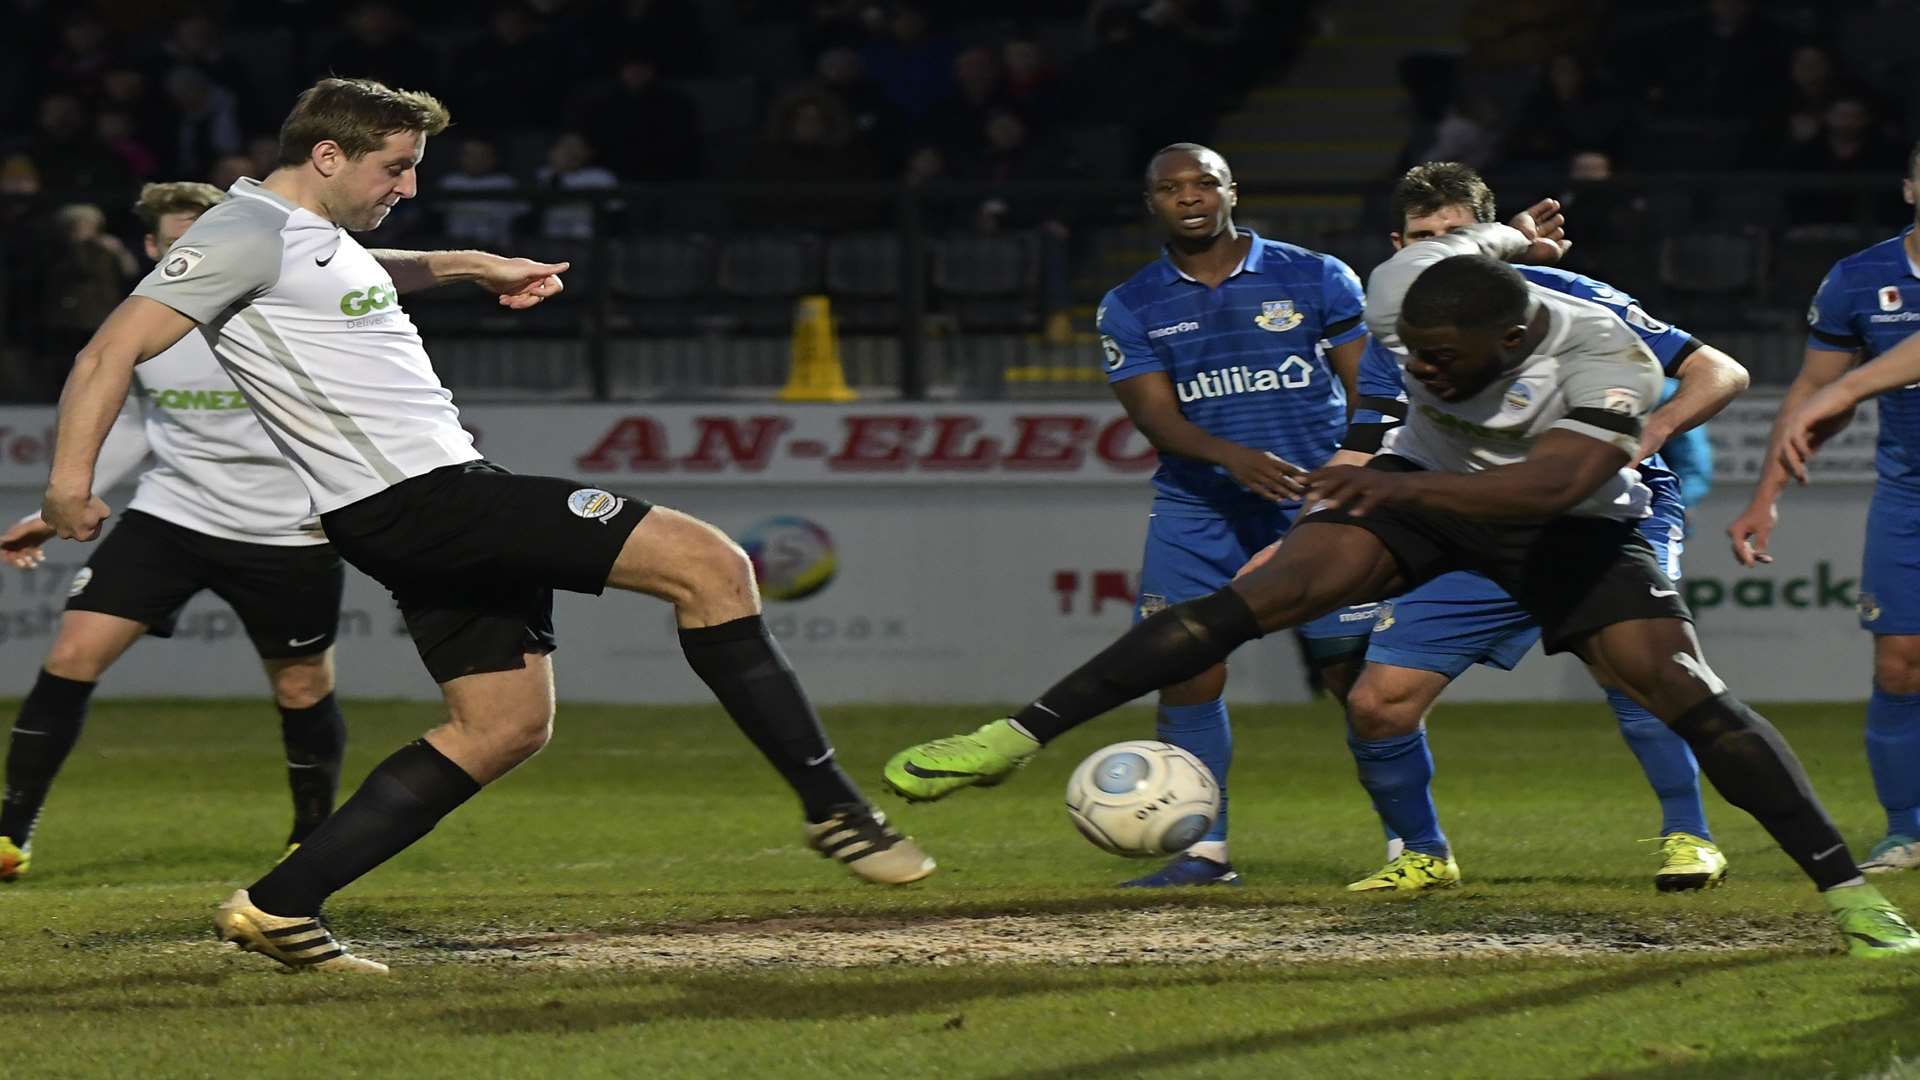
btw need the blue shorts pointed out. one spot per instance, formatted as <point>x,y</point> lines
<point>1189,557</point>
<point>1461,619</point>
<point>1890,572</point>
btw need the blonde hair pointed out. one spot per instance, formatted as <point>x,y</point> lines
<point>358,114</point>
<point>180,197</point>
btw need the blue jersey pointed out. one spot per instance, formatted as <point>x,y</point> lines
<point>1244,359</point>
<point>1868,303</point>
<point>1380,380</point>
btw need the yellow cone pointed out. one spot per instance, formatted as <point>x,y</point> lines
<point>815,373</point>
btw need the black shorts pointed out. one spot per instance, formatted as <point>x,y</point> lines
<point>472,554</point>
<point>146,569</point>
<point>1574,575</point>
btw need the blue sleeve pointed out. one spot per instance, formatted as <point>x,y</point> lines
<point>1380,382</point>
<point>1830,319</point>
<point>1667,342</point>
<point>1343,302</point>
<point>1125,341</point>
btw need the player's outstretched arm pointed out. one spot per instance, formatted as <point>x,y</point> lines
<point>96,389</point>
<point>1825,412</point>
<point>1709,381</point>
<point>519,283</point>
<point>1154,407</point>
<point>1563,469</point>
<point>1751,532</point>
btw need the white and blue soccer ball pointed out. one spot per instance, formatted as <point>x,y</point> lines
<point>1142,799</point>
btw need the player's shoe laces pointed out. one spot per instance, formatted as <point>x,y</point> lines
<point>301,942</point>
<point>14,860</point>
<point>1187,870</point>
<point>934,770</point>
<point>1895,852</point>
<point>1870,926</point>
<point>1688,862</point>
<point>859,836</point>
<point>1413,871</point>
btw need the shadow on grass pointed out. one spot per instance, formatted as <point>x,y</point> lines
<point>1421,1019</point>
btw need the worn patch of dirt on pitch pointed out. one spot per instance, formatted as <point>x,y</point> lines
<point>1184,935</point>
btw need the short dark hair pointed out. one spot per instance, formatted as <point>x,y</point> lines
<point>358,114</point>
<point>1193,148</point>
<point>1472,291</point>
<point>179,197</point>
<point>1913,159</point>
<point>1436,185</point>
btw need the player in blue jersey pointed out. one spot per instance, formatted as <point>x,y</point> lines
<point>1865,309</point>
<point>1428,637</point>
<point>1234,355</point>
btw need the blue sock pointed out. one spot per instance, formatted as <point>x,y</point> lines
<point>1668,763</point>
<point>1893,753</point>
<point>1202,730</point>
<point>1398,775</point>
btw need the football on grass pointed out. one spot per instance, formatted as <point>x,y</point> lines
<point>1142,799</point>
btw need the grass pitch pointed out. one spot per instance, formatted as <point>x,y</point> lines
<point>635,903</point>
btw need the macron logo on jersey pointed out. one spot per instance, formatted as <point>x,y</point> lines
<point>1177,328</point>
<point>1293,374</point>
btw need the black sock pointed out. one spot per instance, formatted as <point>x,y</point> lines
<point>1753,768</point>
<point>316,739</point>
<point>1172,646</point>
<point>48,726</point>
<point>399,802</point>
<point>744,667</point>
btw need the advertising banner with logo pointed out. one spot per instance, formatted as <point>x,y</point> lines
<point>939,553</point>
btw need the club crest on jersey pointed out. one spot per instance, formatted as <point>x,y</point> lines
<point>1869,607</point>
<point>1152,604</point>
<point>181,261</point>
<point>1518,396</point>
<point>80,581</point>
<point>1277,316</point>
<point>1889,298</point>
<point>595,504</point>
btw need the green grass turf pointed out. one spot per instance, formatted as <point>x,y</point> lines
<point>635,818</point>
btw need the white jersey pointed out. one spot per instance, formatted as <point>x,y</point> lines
<point>1590,375</point>
<point>215,471</point>
<point>310,328</point>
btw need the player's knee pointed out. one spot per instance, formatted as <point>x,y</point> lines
<point>524,734</point>
<point>1276,600</point>
<point>1896,665</point>
<point>302,686</point>
<point>1374,712</point>
<point>75,660</point>
<point>710,568</point>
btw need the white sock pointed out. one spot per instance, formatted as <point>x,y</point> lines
<point>1848,884</point>
<point>1210,849</point>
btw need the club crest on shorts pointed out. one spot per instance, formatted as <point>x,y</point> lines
<point>1277,316</point>
<point>1869,607</point>
<point>595,504</point>
<point>80,581</point>
<point>1152,604</point>
<point>1383,619</point>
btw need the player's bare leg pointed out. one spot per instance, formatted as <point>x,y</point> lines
<point>1659,663</point>
<point>313,733</point>
<point>709,581</point>
<point>49,722</point>
<point>1320,567</point>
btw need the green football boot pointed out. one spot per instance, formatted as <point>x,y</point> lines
<point>934,770</point>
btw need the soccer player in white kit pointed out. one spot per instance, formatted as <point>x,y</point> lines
<point>220,510</point>
<point>309,324</point>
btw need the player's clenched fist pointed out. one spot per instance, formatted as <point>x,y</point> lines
<point>74,517</point>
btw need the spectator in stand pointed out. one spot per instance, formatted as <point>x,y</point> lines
<point>570,167</point>
<point>195,42</point>
<point>484,224</point>
<point>876,123</point>
<point>840,24</point>
<point>1731,66</point>
<point>65,152</point>
<point>85,52</point>
<point>1130,77</point>
<point>1467,132</point>
<point>229,169</point>
<point>914,68</point>
<point>809,140</point>
<point>489,79</point>
<point>670,31</point>
<point>1814,83</point>
<point>115,130</point>
<point>263,155</point>
<point>1850,144</point>
<point>1571,108</point>
<point>87,274</point>
<point>380,44</point>
<point>1202,29</point>
<point>651,130</point>
<point>206,123</point>
<point>127,89</point>
<point>1032,82</point>
<point>959,121</point>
